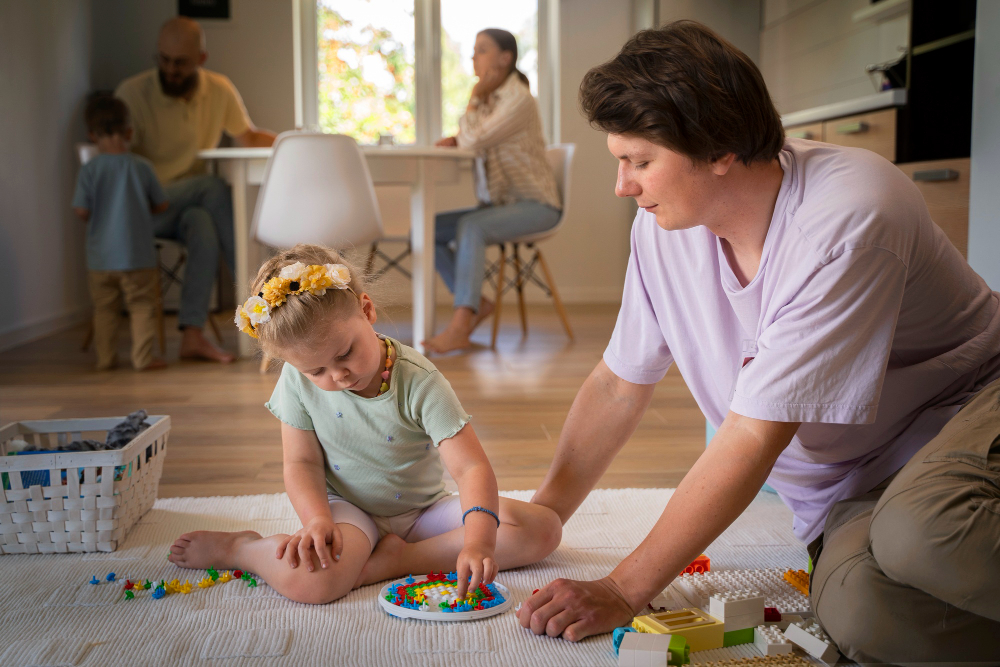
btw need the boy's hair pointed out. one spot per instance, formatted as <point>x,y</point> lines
<point>106,115</point>
<point>687,89</point>
<point>299,320</point>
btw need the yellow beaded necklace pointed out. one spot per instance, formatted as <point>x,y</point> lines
<point>388,364</point>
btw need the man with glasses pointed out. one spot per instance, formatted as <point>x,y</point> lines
<point>178,109</point>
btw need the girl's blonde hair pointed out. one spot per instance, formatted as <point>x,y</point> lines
<point>299,320</point>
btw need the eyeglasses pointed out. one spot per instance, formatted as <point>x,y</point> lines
<point>178,63</point>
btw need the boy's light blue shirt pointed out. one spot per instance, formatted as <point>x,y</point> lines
<point>118,189</point>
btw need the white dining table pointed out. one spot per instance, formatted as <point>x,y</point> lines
<point>421,168</point>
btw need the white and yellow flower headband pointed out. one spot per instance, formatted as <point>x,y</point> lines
<point>293,279</point>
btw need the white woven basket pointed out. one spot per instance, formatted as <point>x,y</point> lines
<point>68,514</point>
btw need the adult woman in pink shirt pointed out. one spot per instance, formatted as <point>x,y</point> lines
<point>845,350</point>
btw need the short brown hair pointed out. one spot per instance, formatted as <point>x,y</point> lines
<point>684,87</point>
<point>106,115</point>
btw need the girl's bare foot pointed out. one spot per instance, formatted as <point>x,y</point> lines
<point>203,549</point>
<point>383,561</point>
<point>486,308</point>
<point>448,341</point>
<point>194,345</point>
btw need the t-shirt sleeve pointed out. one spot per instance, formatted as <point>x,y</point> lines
<point>286,402</point>
<point>154,191</point>
<point>235,120</point>
<point>823,359</point>
<point>437,408</point>
<point>637,351</point>
<point>83,194</point>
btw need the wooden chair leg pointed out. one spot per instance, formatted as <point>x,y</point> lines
<point>499,298</point>
<point>370,262</point>
<point>555,293</point>
<point>265,364</point>
<point>519,284</point>
<point>160,329</point>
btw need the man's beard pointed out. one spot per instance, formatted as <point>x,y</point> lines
<point>178,89</point>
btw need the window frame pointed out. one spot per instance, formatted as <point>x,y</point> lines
<point>427,66</point>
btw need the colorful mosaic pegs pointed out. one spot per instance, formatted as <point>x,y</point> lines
<point>110,577</point>
<point>129,594</point>
<point>442,591</point>
<point>94,580</point>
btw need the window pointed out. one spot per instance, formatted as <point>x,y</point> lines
<point>366,68</point>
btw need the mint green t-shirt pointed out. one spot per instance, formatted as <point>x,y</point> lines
<point>381,453</point>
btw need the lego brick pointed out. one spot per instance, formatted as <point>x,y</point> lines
<point>743,621</point>
<point>698,588</point>
<point>699,565</point>
<point>784,660</point>
<point>771,615</point>
<point>808,636</point>
<point>701,631</point>
<point>725,604</point>
<point>769,640</point>
<point>645,650</point>
<point>737,637</point>
<point>799,580</point>
<point>786,620</point>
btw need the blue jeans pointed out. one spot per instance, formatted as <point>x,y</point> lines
<point>472,229</point>
<point>200,217</point>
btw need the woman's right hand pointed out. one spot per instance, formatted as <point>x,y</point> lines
<point>447,142</point>
<point>320,534</point>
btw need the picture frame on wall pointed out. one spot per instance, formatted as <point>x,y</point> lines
<point>218,10</point>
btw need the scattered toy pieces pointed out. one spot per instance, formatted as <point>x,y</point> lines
<point>110,577</point>
<point>799,579</point>
<point>94,580</point>
<point>129,594</point>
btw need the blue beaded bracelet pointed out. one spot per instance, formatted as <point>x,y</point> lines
<point>481,509</point>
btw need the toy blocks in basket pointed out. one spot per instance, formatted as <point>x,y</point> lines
<point>66,502</point>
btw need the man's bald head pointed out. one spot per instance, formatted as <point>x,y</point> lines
<point>180,51</point>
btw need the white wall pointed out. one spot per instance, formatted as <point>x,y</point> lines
<point>812,53</point>
<point>44,76</point>
<point>254,49</point>
<point>735,20</point>
<point>984,195</point>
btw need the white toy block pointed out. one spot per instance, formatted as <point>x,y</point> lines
<point>735,622</point>
<point>770,640</point>
<point>724,604</point>
<point>808,636</point>
<point>770,583</point>
<point>640,649</point>
<point>786,620</point>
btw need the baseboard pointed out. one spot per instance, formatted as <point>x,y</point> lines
<point>42,327</point>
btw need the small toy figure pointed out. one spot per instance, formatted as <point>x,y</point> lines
<point>237,574</point>
<point>129,585</point>
<point>129,595</point>
<point>110,577</point>
<point>205,583</point>
<point>93,580</point>
<point>147,585</point>
<point>159,593</point>
<point>213,573</point>
<point>252,583</point>
<point>224,577</point>
<point>186,588</point>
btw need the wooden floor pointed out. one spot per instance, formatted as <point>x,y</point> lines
<point>224,442</point>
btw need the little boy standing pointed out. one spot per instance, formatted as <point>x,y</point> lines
<point>116,194</point>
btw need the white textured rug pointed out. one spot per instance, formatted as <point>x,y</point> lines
<point>52,616</point>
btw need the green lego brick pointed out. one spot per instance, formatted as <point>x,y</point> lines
<point>737,637</point>
<point>680,652</point>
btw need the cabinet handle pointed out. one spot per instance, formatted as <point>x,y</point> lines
<point>853,128</point>
<point>935,175</point>
<point>800,134</point>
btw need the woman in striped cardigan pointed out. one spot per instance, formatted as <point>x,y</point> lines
<point>515,186</point>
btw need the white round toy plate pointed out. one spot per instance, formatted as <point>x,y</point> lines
<point>448,616</point>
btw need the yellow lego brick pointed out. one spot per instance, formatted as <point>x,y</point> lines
<point>798,579</point>
<point>702,632</point>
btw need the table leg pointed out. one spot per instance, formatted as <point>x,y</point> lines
<point>422,247</point>
<point>237,177</point>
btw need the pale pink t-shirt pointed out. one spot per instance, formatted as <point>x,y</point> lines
<point>863,322</point>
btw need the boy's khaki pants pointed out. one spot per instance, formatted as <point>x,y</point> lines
<point>910,572</point>
<point>138,288</point>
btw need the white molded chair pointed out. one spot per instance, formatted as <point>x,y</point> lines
<point>560,157</point>
<point>316,189</point>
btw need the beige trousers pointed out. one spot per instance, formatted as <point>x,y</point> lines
<point>910,572</point>
<point>138,288</point>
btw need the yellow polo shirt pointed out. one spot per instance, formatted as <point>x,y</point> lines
<point>169,131</point>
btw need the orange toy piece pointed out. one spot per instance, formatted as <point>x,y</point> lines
<point>700,565</point>
<point>799,579</point>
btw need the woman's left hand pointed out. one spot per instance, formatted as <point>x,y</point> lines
<point>475,560</point>
<point>575,609</point>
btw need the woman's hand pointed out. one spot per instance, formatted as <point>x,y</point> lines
<point>475,560</point>
<point>576,609</point>
<point>316,535</point>
<point>489,81</point>
<point>447,142</point>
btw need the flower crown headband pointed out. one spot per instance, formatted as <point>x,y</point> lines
<point>293,279</point>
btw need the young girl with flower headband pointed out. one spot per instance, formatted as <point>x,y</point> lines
<point>366,424</point>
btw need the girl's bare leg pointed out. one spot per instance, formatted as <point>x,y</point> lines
<point>249,551</point>
<point>527,534</point>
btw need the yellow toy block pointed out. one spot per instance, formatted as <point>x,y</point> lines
<point>799,579</point>
<point>702,632</point>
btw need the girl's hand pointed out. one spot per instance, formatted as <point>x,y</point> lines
<point>488,82</point>
<point>475,560</point>
<point>316,535</point>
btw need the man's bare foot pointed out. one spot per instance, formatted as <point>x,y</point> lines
<point>154,365</point>
<point>486,308</point>
<point>194,345</point>
<point>383,561</point>
<point>203,549</point>
<point>448,341</point>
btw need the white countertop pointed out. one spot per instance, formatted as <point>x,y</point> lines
<point>887,98</point>
<point>369,151</point>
